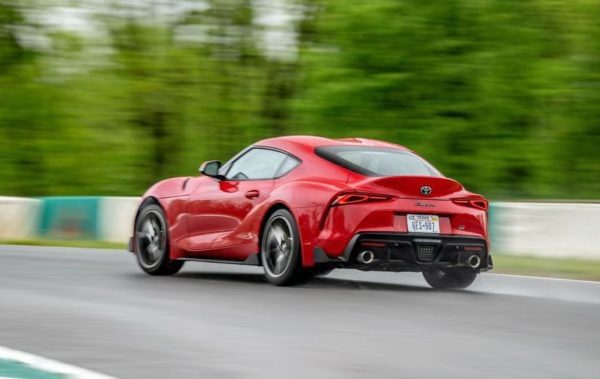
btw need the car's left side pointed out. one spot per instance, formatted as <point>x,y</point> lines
<point>233,211</point>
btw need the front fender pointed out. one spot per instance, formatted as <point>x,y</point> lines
<point>172,187</point>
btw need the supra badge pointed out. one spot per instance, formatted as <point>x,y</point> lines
<point>423,204</point>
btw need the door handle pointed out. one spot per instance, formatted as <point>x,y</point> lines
<point>253,194</point>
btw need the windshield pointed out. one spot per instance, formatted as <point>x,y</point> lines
<point>378,161</point>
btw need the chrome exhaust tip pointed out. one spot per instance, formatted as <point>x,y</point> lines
<point>366,257</point>
<point>474,261</point>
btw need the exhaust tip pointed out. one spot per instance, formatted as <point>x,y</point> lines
<point>366,257</point>
<point>474,261</point>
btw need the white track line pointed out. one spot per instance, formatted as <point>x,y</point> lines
<point>49,365</point>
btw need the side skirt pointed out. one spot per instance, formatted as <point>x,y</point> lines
<point>252,260</point>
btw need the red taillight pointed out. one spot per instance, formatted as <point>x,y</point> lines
<point>356,198</point>
<point>474,202</point>
<point>353,198</point>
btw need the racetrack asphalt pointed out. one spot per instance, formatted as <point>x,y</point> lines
<point>96,309</point>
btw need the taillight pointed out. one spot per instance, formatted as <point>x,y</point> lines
<point>353,198</point>
<point>356,198</point>
<point>474,202</point>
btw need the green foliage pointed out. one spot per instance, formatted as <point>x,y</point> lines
<point>498,94</point>
<point>501,95</point>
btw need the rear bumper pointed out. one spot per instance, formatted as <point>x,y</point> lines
<point>412,252</point>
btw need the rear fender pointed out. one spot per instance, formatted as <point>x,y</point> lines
<point>311,200</point>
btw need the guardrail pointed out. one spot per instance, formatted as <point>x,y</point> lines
<point>19,217</point>
<point>107,219</point>
<point>517,228</point>
<point>557,230</point>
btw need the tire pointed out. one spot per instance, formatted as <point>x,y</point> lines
<point>280,252</point>
<point>152,242</point>
<point>452,278</point>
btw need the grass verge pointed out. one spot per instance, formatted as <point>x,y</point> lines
<point>566,268</point>
<point>68,243</point>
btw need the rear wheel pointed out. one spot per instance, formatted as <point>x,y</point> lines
<point>449,278</point>
<point>280,249</point>
<point>152,242</point>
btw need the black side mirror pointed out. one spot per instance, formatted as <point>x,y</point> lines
<point>211,168</point>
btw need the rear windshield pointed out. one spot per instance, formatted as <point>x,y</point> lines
<point>377,161</point>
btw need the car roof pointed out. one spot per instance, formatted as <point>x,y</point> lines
<point>300,145</point>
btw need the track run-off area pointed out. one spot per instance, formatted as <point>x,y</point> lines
<point>95,309</point>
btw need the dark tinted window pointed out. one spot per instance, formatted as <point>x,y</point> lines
<point>377,161</point>
<point>259,163</point>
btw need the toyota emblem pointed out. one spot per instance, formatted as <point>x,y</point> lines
<point>426,190</point>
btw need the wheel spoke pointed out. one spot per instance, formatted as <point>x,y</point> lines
<point>279,263</point>
<point>150,251</point>
<point>279,234</point>
<point>148,228</point>
<point>142,235</point>
<point>272,238</point>
<point>272,245</point>
<point>151,237</point>
<point>278,247</point>
<point>155,227</point>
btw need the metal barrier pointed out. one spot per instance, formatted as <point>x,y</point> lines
<point>517,228</point>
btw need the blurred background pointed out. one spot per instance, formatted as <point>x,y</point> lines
<point>101,97</point>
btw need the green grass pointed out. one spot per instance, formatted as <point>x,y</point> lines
<point>566,268</point>
<point>68,243</point>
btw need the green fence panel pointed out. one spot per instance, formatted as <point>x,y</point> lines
<point>14,369</point>
<point>69,217</point>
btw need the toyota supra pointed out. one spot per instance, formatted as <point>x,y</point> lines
<point>301,206</point>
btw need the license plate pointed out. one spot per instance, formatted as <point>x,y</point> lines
<point>423,223</point>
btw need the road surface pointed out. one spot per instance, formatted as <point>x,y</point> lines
<point>97,310</point>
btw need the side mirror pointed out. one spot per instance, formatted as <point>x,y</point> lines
<point>211,168</point>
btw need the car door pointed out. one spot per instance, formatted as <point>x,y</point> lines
<point>221,211</point>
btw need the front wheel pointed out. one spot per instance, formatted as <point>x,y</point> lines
<point>152,242</point>
<point>449,278</point>
<point>280,249</point>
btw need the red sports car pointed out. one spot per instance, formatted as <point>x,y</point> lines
<point>301,206</point>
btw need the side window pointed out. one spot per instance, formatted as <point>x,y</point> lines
<point>288,165</point>
<point>257,164</point>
